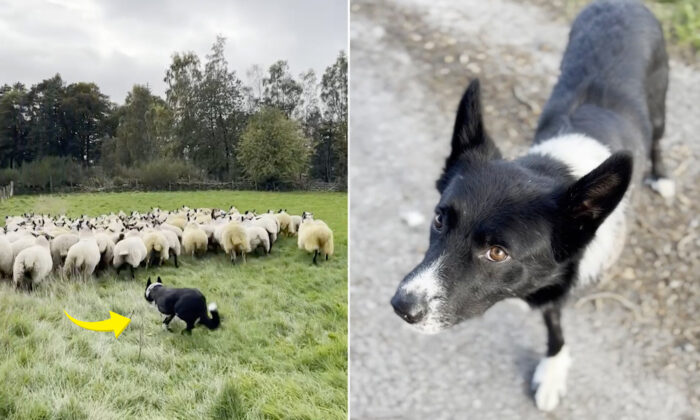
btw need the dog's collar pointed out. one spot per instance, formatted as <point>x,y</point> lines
<point>151,287</point>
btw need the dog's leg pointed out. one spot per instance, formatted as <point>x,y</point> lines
<point>166,322</point>
<point>188,330</point>
<point>549,380</point>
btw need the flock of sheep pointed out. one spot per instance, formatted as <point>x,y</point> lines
<point>32,246</point>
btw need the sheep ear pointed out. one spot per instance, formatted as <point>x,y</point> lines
<point>159,280</point>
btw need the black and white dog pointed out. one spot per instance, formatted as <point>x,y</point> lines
<point>189,305</point>
<point>534,227</point>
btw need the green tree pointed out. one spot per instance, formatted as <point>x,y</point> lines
<point>183,78</point>
<point>331,139</point>
<point>85,109</point>
<point>220,101</point>
<point>273,149</point>
<point>48,131</point>
<point>144,129</point>
<point>14,126</point>
<point>280,89</point>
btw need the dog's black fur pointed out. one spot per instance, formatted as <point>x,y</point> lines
<point>189,305</point>
<point>612,88</point>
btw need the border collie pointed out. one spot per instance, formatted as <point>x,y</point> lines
<point>534,227</point>
<point>189,305</point>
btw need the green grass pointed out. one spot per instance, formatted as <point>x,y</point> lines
<point>281,352</point>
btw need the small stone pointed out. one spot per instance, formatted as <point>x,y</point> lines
<point>416,37</point>
<point>474,68</point>
<point>449,59</point>
<point>412,218</point>
<point>628,274</point>
<point>463,58</point>
<point>675,284</point>
<point>429,45</point>
<point>476,404</point>
<point>688,347</point>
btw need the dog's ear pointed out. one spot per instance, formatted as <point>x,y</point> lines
<point>148,283</point>
<point>159,280</point>
<point>469,136</point>
<point>585,204</point>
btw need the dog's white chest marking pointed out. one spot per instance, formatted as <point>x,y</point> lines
<point>549,381</point>
<point>582,154</point>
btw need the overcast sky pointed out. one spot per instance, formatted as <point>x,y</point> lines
<point>116,43</point>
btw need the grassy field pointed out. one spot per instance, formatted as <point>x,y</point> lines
<point>281,351</point>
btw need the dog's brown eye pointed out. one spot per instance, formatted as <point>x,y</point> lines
<point>438,221</point>
<point>496,254</point>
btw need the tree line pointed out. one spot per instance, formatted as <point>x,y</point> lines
<point>273,130</point>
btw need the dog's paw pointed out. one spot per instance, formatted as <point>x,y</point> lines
<point>665,187</point>
<point>549,381</point>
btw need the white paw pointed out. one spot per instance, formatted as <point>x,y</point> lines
<point>549,381</point>
<point>664,187</point>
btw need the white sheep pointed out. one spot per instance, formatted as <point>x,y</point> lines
<point>270,224</point>
<point>106,245</point>
<point>257,237</point>
<point>295,223</point>
<point>315,236</point>
<point>6,257</point>
<point>173,242</point>
<point>130,250</point>
<point>60,245</point>
<point>157,247</point>
<point>285,222</point>
<point>194,239</point>
<point>22,243</point>
<point>84,256</point>
<point>234,240</point>
<point>34,263</point>
<point>173,228</point>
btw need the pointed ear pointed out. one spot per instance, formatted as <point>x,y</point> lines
<point>159,280</point>
<point>469,136</point>
<point>585,204</point>
<point>148,283</point>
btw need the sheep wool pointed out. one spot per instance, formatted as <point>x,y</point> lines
<point>106,245</point>
<point>130,251</point>
<point>235,240</point>
<point>315,236</point>
<point>173,228</point>
<point>257,238</point>
<point>157,246</point>
<point>84,256</point>
<point>285,222</point>
<point>173,243</point>
<point>60,245</point>
<point>33,263</point>
<point>295,222</point>
<point>6,257</point>
<point>24,242</point>
<point>194,239</point>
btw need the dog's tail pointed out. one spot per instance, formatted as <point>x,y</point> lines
<point>213,322</point>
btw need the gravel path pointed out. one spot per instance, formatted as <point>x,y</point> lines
<point>410,62</point>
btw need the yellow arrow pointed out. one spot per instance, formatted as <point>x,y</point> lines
<point>116,323</point>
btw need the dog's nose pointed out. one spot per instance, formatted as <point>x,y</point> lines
<point>409,307</point>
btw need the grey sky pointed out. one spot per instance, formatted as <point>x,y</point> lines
<point>116,43</point>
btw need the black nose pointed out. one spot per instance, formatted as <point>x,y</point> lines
<point>409,307</point>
